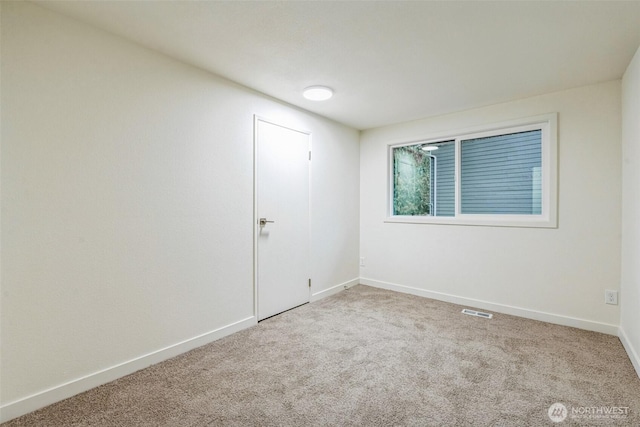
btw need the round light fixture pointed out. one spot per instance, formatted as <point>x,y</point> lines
<point>429,147</point>
<point>318,93</point>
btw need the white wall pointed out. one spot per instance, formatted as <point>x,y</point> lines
<point>127,205</point>
<point>558,275</point>
<point>630,284</point>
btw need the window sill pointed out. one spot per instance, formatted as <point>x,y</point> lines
<point>518,221</point>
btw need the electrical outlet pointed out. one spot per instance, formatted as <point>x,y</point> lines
<point>361,261</point>
<point>611,297</point>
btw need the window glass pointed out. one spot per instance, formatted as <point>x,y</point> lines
<point>412,181</point>
<point>424,179</point>
<point>445,183</point>
<point>502,174</point>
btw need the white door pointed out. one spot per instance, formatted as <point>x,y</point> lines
<point>283,205</point>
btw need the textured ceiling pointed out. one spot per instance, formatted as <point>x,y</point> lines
<point>388,62</point>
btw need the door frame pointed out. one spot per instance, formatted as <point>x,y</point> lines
<point>256,119</point>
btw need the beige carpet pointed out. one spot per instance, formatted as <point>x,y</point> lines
<point>370,357</point>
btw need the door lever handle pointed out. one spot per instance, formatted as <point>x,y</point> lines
<point>264,221</point>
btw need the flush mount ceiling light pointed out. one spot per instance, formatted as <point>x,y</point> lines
<point>429,147</point>
<point>317,93</point>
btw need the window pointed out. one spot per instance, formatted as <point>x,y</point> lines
<point>423,179</point>
<point>504,175</point>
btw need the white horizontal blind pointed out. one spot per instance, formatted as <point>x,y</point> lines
<point>500,174</point>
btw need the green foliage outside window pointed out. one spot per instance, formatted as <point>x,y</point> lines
<point>411,181</point>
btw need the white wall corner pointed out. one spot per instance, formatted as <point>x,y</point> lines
<point>631,352</point>
<point>334,289</point>
<point>55,394</point>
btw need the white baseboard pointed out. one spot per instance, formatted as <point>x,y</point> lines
<point>39,400</point>
<point>631,352</point>
<point>44,398</point>
<point>557,319</point>
<point>14,409</point>
<point>334,289</point>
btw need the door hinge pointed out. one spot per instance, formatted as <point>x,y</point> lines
<point>309,282</point>
<point>309,155</point>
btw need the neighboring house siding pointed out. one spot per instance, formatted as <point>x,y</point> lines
<point>445,182</point>
<point>500,174</point>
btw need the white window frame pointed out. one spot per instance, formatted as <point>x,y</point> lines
<point>547,124</point>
